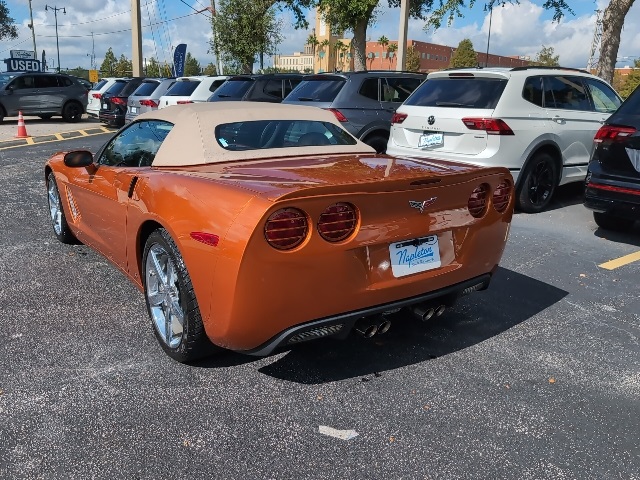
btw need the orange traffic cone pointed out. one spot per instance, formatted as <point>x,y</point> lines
<point>22,130</point>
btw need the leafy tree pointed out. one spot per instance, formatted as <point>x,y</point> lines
<point>79,72</point>
<point>246,29</point>
<point>108,66</point>
<point>464,56</point>
<point>153,68</point>
<point>632,81</point>
<point>393,48</point>
<point>383,42</point>
<point>7,27</point>
<point>323,51</point>
<point>413,59</point>
<point>210,69</point>
<point>191,66</point>
<point>547,58</point>
<point>124,67</point>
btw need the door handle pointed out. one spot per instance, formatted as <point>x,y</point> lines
<point>558,119</point>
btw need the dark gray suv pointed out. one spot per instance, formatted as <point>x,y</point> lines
<point>363,102</point>
<point>43,95</point>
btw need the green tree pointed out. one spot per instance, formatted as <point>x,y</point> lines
<point>124,67</point>
<point>191,66</point>
<point>413,59</point>
<point>108,66</point>
<point>464,56</point>
<point>323,51</point>
<point>246,29</point>
<point>7,27</point>
<point>632,81</point>
<point>210,69</point>
<point>79,72</point>
<point>393,48</point>
<point>153,68</point>
<point>546,57</point>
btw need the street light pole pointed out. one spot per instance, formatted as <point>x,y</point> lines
<point>55,13</point>
<point>486,63</point>
<point>33,31</point>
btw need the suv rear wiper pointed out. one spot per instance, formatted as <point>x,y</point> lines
<point>306,99</point>
<point>221,95</point>
<point>452,104</point>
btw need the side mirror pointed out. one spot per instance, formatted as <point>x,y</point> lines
<point>78,158</point>
<point>10,89</point>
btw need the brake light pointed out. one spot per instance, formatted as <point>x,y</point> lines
<point>338,114</point>
<point>613,133</point>
<point>337,222</point>
<point>502,196</point>
<point>148,103</point>
<point>493,126</point>
<point>477,203</point>
<point>398,118</point>
<point>97,95</point>
<point>286,228</point>
<point>182,102</point>
<point>118,101</point>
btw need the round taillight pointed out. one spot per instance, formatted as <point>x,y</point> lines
<point>337,222</point>
<point>502,196</point>
<point>478,200</point>
<point>286,229</point>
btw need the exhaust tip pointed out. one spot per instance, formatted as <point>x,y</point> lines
<point>440,310</point>
<point>367,331</point>
<point>426,316</point>
<point>384,327</point>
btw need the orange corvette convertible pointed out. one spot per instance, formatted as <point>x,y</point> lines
<point>258,227</point>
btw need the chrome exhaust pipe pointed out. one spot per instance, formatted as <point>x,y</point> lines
<point>423,312</point>
<point>367,330</point>
<point>440,310</point>
<point>384,326</point>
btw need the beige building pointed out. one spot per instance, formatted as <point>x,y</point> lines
<point>298,61</point>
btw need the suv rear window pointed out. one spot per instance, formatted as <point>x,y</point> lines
<point>146,89</point>
<point>631,105</point>
<point>317,90</point>
<point>99,85</point>
<point>182,89</point>
<point>234,88</point>
<point>117,87</point>
<point>466,92</point>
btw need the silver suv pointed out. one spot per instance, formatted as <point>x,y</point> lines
<point>43,95</point>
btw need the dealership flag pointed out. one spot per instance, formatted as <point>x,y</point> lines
<point>179,56</point>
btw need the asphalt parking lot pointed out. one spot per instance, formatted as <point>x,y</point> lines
<point>536,378</point>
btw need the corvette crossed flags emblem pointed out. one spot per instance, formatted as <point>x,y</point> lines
<point>422,205</point>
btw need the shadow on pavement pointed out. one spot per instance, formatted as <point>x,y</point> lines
<point>474,319</point>
<point>629,237</point>
<point>567,195</point>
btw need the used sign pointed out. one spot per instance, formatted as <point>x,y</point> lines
<point>20,65</point>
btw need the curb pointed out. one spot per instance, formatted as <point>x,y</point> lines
<point>55,137</point>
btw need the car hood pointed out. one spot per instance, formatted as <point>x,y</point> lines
<point>304,176</point>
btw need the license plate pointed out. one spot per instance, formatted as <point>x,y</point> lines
<point>430,140</point>
<point>105,106</point>
<point>134,109</point>
<point>414,256</point>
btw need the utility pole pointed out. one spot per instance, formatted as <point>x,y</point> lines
<point>55,13</point>
<point>136,38</point>
<point>486,62</point>
<point>215,42</point>
<point>93,52</point>
<point>401,62</point>
<point>33,31</point>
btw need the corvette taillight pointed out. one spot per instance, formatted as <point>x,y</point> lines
<point>493,126</point>
<point>613,133</point>
<point>502,196</point>
<point>398,118</point>
<point>337,222</point>
<point>148,103</point>
<point>477,203</point>
<point>286,228</point>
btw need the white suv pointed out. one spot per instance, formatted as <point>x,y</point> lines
<point>94,99</point>
<point>537,121</point>
<point>191,90</point>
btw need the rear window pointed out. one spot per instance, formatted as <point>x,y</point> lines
<point>215,85</point>
<point>130,87</point>
<point>233,88</point>
<point>466,92</point>
<point>146,89</point>
<point>117,87</point>
<point>182,89</point>
<point>263,134</point>
<point>99,85</point>
<point>631,105</point>
<point>320,90</point>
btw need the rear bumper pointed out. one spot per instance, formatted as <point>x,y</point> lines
<point>612,194</point>
<point>340,326</point>
<point>112,119</point>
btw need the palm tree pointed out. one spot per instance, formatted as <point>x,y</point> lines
<point>339,48</point>
<point>392,49</point>
<point>323,44</point>
<point>313,41</point>
<point>383,42</point>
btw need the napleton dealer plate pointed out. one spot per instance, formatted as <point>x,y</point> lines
<point>414,256</point>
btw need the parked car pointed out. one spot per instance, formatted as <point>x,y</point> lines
<point>42,94</point>
<point>236,221</point>
<point>363,102</point>
<point>537,121</point>
<point>191,90</point>
<point>83,81</point>
<point>613,179</point>
<point>114,101</point>
<point>95,95</point>
<point>146,97</point>
<point>272,87</point>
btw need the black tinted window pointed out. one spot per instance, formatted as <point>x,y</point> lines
<point>46,81</point>
<point>233,89</point>
<point>181,89</point>
<point>130,87</point>
<point>65,82</point>
<point>322,90</point>
<point>137,145</point>
<point>369,88</point>
<point>215,85</point>
<point>116,88</point>
<point>273,88</point>
<point>398,89</point>
<point>467,92</point>
<point>25,81</point>
<point>146,89</point>
<point>532,90</point>
<point>99,85</point>
<point>566,93</point>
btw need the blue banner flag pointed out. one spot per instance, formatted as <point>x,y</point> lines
<point>179,57</point>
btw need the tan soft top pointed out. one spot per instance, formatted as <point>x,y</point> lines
<point>192,139</point>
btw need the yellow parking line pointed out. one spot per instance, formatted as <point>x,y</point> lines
<point>83,133</point>
<point>59,136</point>
<point>619,262</point>
<point>30,141</point>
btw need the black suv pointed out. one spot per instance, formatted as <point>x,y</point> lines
<point>363,101</point>
<point>271,87</point>
<point>114,101</point>
<point>613,178</point>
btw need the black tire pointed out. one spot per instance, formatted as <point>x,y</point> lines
<point>46,116</point>
<point>169,290</point>
<point>72,112</point>
<point>611,222</point>
<point>378,142</point>
<point>56,212</point>
<point>538,183</point>
<point>2,114</point>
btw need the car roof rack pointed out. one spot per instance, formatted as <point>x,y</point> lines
<point>542,67</point>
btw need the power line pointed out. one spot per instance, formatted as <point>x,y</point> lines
<point>102,19</point>
<point>196,10</point>
<point>153,36</point>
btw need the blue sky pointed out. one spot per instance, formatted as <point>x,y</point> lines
<point>516,30</point>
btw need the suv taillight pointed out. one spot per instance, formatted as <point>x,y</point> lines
<point>613,133</point>
<point>493,126</point>
<point>119,101</point>
<point>502,196</point>
<point>398,118</point>
<point>338,114</point>
<point>286,228</point>
<point>97,95</point>
<point>477,203</point>
<point>337,222</point>
<point>148,103</point>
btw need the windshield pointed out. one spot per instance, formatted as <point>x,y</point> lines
<point>5,78</point>
<point>320,90</point>
<point>466,92</point>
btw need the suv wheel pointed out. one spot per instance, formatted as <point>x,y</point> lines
<point>72,112</point>
<point>611,222</point>
<point>539,181</point>
<point>378,142</point>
